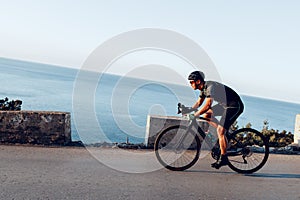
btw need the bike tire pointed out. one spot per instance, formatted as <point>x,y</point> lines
<point>175,156</point>
<point>248,150</point>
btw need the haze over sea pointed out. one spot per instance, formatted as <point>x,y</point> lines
<point>121,109</point>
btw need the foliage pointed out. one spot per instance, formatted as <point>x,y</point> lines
<point>276,138</point>
<point>10,105</point>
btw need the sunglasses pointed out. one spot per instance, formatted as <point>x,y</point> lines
<point>192,82</point>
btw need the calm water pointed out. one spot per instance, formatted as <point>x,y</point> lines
<point>121,104</point>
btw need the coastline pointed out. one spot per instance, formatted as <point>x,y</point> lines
<point>288,150</point>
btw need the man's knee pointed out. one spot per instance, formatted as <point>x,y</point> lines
<point>207,115</point>
<point>221,130</point>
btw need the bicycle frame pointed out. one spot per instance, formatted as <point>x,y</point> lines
<point>200,132</point>
<point>194,124</point>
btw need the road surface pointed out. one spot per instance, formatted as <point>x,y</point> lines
<point>74,173</point>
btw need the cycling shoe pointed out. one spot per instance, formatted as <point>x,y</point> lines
<point>223,161</point>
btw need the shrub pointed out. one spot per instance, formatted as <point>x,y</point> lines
<point>10,105</point>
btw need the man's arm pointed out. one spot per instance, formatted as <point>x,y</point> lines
<point>198,102</point>
<point>205,107</point>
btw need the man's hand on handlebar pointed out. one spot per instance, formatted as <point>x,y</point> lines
<point>185,110</point>
<point>190,116</point>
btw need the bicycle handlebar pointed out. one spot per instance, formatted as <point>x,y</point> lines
<point>185,110</point>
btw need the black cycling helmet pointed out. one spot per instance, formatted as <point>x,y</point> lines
<point>196,75</point>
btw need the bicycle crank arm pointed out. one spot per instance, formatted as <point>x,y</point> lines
<point>245,161</point>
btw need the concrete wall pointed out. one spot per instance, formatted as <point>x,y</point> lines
<point>155,124</point>
<point>297,130</point>
<point>35,127</point>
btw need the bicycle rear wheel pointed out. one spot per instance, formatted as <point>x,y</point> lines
<point>248,150</point>
<point>176,149</point>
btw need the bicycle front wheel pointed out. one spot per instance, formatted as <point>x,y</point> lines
<point>176,148</point>
<point>248,150</point>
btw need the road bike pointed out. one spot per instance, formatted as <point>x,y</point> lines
<point>178,147</point>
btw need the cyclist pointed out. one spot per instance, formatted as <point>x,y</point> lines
<point>229,106</point>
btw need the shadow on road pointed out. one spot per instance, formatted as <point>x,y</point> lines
<point>259,175</point>
<point>265,175</point>
<point>210,172</point>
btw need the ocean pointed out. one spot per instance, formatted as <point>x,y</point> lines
<point>121,103</point>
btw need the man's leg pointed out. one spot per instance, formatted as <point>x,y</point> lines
<point>223,146</point>
<point>219,110</point>
<point>227,119</point>
<point>221,130</point>
<point>222,139</point>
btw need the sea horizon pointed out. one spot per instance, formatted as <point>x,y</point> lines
<point>50,87</point>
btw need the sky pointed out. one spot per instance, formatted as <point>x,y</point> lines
<point>255,45</point>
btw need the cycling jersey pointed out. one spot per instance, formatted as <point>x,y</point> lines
<point>229,106</point>
<point>222,94</point>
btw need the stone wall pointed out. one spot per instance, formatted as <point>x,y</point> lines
<point>297,130</point>
<point>35,127</point>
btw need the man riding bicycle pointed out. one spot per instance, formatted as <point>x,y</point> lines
<point>229,106</point>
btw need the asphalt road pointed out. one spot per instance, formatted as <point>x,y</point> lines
<point>74,173</point>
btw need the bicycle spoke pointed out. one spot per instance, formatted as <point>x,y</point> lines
<point>236,161</point>
<point>252,151</point>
